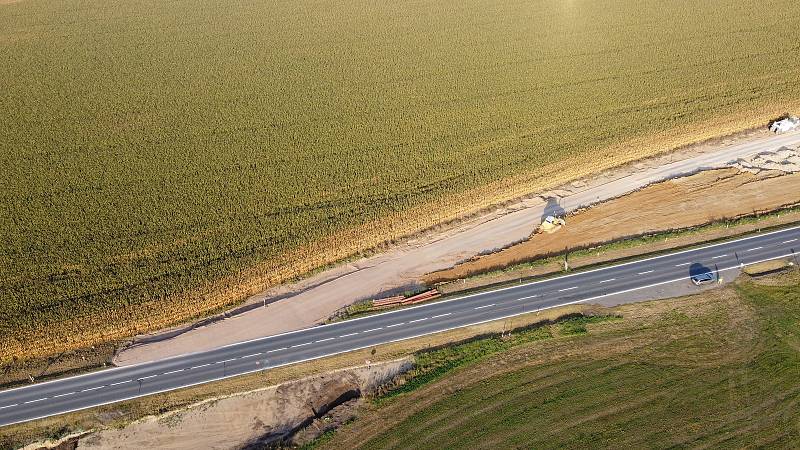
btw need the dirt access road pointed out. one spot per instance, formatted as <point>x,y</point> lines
<point>315,299</point>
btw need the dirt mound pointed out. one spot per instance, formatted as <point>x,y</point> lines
<point>254,419</point>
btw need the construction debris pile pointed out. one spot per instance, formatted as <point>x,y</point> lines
<point>785,159</point>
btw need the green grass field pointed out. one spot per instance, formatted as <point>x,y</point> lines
<point>156,156</point>
<point>717,370</point>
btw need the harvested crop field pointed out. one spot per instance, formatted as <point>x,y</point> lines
<point>162,160</point>
<point>709,196</point>
<point>714,370</point>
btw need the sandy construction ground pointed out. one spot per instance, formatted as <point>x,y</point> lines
<point>683,202</point>
<point>313,300</point>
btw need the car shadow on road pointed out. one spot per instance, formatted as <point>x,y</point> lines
<point>700,274</point>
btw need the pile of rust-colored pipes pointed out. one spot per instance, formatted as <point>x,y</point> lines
<point>399,300</point>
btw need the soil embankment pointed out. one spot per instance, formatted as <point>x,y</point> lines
<point>763,183</point>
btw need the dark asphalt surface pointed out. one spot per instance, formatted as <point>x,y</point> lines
<point>113,385</point>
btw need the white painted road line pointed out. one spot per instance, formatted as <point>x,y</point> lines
<point>530,296</point>
<point>568,289</point>
<point>789,241</point>
<point>348,335</point>
<point>170,372</point>
<point>205,365</point>
<point>395,325</point>
<point>117,383</point>
<point>277,349</point>
<point>254,354</point>
<point>220,362</point>
<point>325,340</point>
<point>441,315</point>
<point>34,401</point>
<point>418,320</point>
<point>9,406</point>
<point>390,341</point>
<point>718,257</point>
<point>372,329</point>
<point>608,280</point>
<point>753,249</point>
<point>300,345</point>
<point>682,264</point>
<point>92,389</point>
<point>64,395</point>
<point>484,306</point>
<point>153,376</point>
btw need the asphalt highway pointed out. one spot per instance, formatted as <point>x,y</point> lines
<point>117,384</point>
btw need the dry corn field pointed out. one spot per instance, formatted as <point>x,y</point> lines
<point>162,160</point>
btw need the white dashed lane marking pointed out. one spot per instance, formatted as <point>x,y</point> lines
<point>395,325</point>
<point>34,401</point>
<point>530,296</point>
<point>682,264</point>
<point>68,393</point>
<point>170,372</point>
<point>373,329</point>
<point>120,382</point>
<point>277,350</point>
<point>326,340</point>
<point>568,289</point>
<point>608,280</point>
<point>94,388</point>
<point>484,306</point>
<point>645,272</point>
<point>753,249</point>
<point>254,354</point>
<point>718,257</point>
<point>300,345</point>
<point>789,241</point>
<point>418,320</point>
<point>9,406</point>
<point>205,365</point>
<point>153,376</point>
<point>348,335</point>
<point>441,315</point>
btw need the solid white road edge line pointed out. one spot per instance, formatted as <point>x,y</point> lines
<point>386,342</point>
<point>666,255</point>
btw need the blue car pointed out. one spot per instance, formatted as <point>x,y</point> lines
<point>702,278</point>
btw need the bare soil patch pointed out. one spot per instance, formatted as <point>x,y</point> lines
<point>675,204</point>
